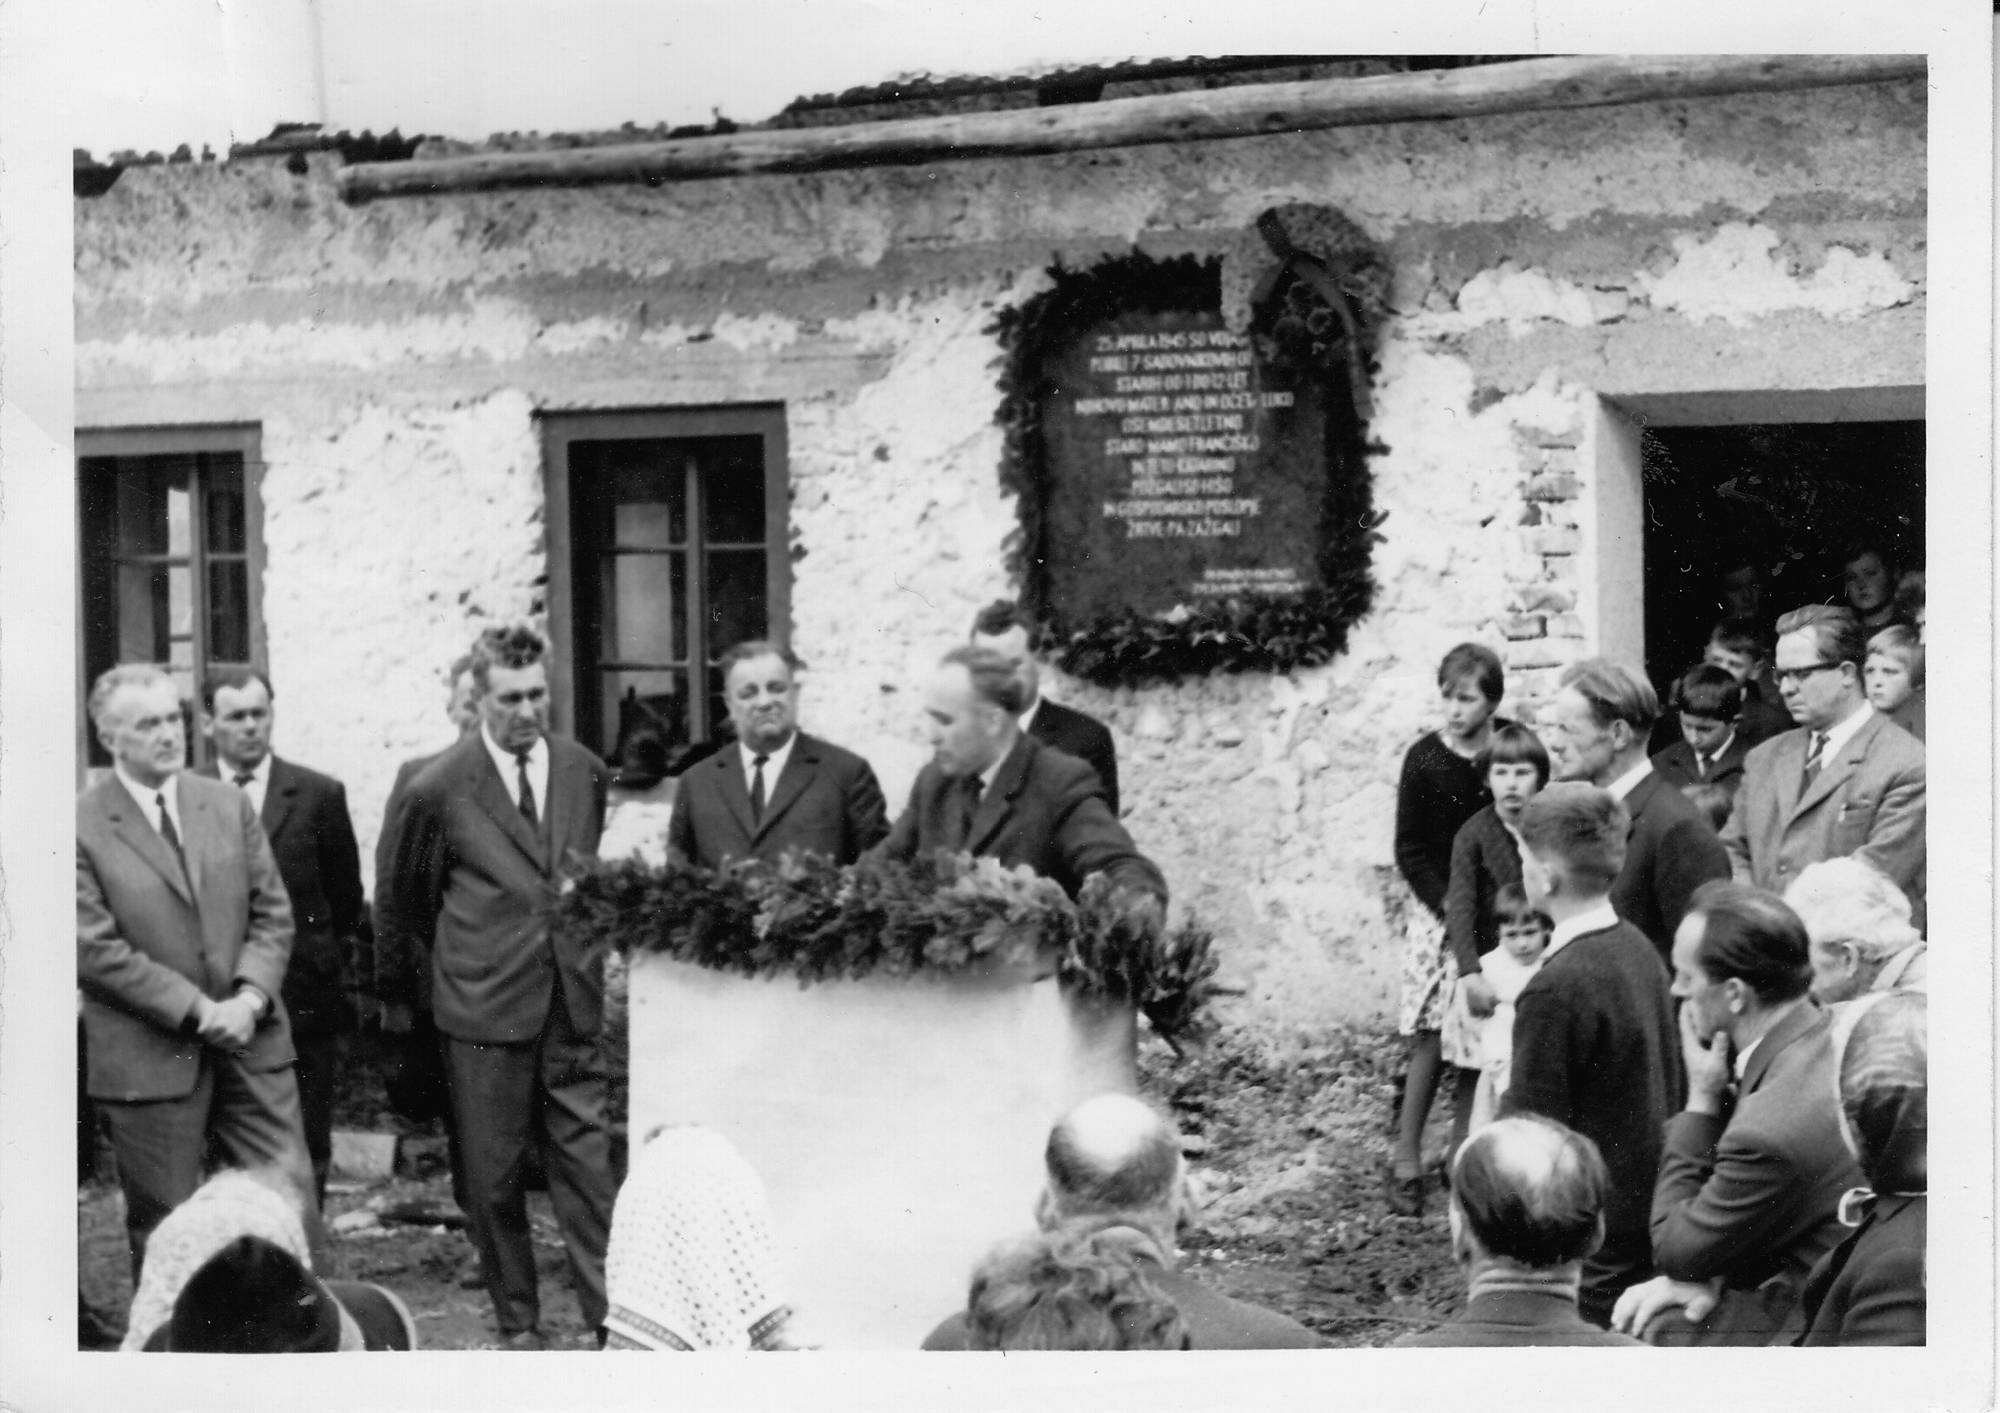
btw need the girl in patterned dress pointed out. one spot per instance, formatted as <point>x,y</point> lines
<point>1442,786</point>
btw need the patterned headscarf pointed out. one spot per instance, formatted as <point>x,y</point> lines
<point>229,1205</point>
<point>692,1263</point>
<point>1884,1093</point>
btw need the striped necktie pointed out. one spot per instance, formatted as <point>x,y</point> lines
<point>1815,758</point>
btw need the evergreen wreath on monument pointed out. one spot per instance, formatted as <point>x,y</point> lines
<point>815,920</point>
<point>1312,293</point>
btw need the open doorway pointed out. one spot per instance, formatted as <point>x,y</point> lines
<point>1791,499</point>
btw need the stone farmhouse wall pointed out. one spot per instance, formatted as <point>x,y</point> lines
<point>395,355</point>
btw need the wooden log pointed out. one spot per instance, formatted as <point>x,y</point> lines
<point>1247,111</point>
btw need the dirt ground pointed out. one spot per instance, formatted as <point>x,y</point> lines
<point>1291,1134</point>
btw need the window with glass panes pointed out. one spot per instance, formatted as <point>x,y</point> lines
<point>169,556</point>
<point>668,537</point>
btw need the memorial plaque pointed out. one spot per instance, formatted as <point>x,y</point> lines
<point>1178,468</point>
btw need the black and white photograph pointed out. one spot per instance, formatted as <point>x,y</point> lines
<point>848,679</point>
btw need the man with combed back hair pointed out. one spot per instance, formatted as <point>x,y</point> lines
<point>1076,1293</point>
<point>477,842</point>
<point>994,791</point>
<point>1753,1169</point>
<point>1862,936</point>
<point>1002,627</point>
<point>1527,1206</point>
<point>1115,1175</point>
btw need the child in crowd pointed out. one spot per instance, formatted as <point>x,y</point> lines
<point>1524,936</point>
<point>1485,857</point>
<point>1894,676</point>
<point>1442,785</point>
<point>1708,702</point>
<point>1714,799</point>
<point>1742,648</point>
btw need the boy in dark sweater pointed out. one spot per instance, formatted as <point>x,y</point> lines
<point>1594,1040</point>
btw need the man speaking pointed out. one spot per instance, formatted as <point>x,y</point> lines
<point>993,791</point>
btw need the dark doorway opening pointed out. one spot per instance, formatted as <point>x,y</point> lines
<point>1792,499</point>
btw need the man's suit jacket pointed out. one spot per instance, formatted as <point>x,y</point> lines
<point>152,938</point>
<point>1871,1288</point>
<point>1082,736</point>
<point>1502,1319</point>
<point>1044,809</point>
<point>1671,851</point>
<point>1753,1198</point>
<point>826,801</point>
<point>469,880</point>
<point>1677,766</point>
<point>1867,802</point>
<point>312,837</point>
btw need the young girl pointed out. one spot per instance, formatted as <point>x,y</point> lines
<point>1442,786</point>
<point>1894,676</point>
<point>1524,937</point>
<point>1485,857</point>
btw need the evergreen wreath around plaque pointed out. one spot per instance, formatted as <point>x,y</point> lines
<point>812,919</point>
<point>1296,307</point>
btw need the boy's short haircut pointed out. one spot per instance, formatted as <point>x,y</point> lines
<point>1901,642</point>
<point>1475,663</point>
<point>1582,828</point>
<point>1515,744</point>
<point>1743,635</point>
<point>1707,691</point>
<point>1511,908</point>
<point>1713,799</point>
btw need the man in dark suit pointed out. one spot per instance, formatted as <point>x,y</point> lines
<point>1750,1187</point>
<point>1846,782</point>
<point>1115,1172</point>
<point>994,791</point>
<point>777,790</point>
<point>1707,702</point>
<point>305,817</point>
<point>183,931</point>
<point>1527,1205</point>
<point>1594,1028</point>
<point>1602,719</point>
<point>1001,629</point>
<point>478,842</point>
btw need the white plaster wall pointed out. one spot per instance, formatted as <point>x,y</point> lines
<point>395,355</point>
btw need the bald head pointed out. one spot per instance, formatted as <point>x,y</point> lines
<point>1531,1191</point>
<point>1113,1155</point>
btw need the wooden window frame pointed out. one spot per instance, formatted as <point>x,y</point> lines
<point>560,430</point>
<point>242,439</point>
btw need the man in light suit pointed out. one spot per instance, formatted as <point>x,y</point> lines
<point>778,790</point>
<point>183,932</point>
<point>993,791</point>
<point>304,814</point>
<point>1753,1170</point>
<point>1846,782</point>
<point>1001,629</point>
<point>479,839</point>
<point>1600,723</point>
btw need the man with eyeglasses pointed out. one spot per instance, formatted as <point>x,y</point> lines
<point>1846,782</point>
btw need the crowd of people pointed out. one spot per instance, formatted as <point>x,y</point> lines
<point>1673,989</point>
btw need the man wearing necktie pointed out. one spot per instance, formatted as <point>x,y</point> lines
<point>1847,782</point>
<point>992,790</point>
<point>183,932</point>
<point>778,790</point>
<point>477,842</point>
<point>305,816</point>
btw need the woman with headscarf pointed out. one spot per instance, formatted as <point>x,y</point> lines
<point>234,1203</point>
<point>1870,1288</point>
<point>692,1262</point>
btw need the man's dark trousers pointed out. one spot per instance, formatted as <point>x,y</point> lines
<point>504,1098</point>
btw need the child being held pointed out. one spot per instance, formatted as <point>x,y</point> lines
<point>1524,937</point>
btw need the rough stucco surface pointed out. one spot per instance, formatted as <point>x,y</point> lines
<point>394,355</point>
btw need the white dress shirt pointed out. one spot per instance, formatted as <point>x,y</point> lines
<point>1569,929</point>
<point>148,801</point>
<point>509,767</point>
<point>774,766</point>
<point>1840,733</point>
<point>1629,781</point>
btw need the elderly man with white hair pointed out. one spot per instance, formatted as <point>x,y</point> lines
<point>1862,936</point>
